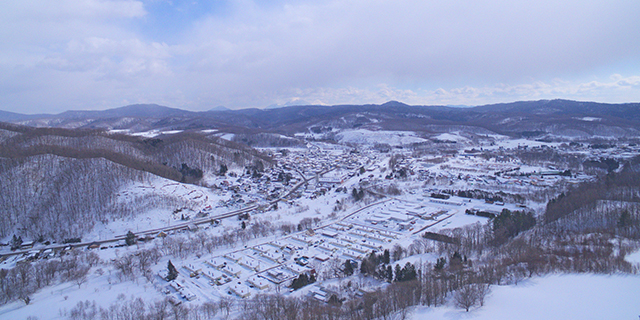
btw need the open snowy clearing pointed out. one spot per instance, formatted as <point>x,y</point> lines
<point>574,296</point>
<point>633,257</point>
<point>52,302</point>
<point>393,138</point>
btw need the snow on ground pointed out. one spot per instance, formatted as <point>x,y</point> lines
<point>227,136</point>
<point>514,143</point>
<point>154,133</point>
<point>453,136</point>
<point>573,296</point>
<point>590,119</point>
<point>363,136</point>
<point>633,257</point>
<point>157,217</point>
<point>459,219</point>
<point>116,131</point>
<point>50,302</point>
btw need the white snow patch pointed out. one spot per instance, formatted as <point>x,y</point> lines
<point>573,296</point>
<point>451,137</point>
<point>50,302</point>
<point>227,136</point>
<point>363,136</point>
<point>633,257</point>
<point>154,133</point>
<point>116,131</point>
<point>590,119</point>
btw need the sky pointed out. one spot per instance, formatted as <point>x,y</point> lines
<point>197,55</point>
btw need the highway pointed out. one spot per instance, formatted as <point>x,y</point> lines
<point>176,227</point>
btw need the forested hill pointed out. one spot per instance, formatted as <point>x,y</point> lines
<point>164,156</point>
<point>58,182</point>
<point>523,118</point>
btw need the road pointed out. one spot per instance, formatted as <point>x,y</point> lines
<point>155,231</point>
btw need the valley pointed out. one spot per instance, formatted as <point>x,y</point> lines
<point>340,212</point>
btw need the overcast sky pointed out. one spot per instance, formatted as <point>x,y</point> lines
<point>97,54</point>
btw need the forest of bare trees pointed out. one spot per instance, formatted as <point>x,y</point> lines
<point>90,166</point>
<point>591,238</point>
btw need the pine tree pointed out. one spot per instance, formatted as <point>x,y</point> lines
<point>355,195</point>
<point>130,239</point>
<point>348,267</point>
<point>173,272</point>
<point>625,219</point>
<point>389,274</point>
<point>16,242</point>
<point>399,275</point>
<point>385,256</point>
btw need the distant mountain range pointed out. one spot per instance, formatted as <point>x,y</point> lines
<point>562,117</point>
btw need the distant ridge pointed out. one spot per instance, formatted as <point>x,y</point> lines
<point>12,116</point>
<point>134,110</point>
<point>219,108</point>
<point>394,103</point>
<point>558,116</point>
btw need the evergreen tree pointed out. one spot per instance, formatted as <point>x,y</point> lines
<point>223,169</point>
<point>130,239</point>
<point>16,242</point>
<point>398,273</point>
<point>385,256</point>
<point>348,267</point>
<point>408,272</point>
<point>440,263</point>
<point>365,267</point>
<point>355,195</point>
<point>302,280</point>
<point>625,219</point>
<point>173,272</point>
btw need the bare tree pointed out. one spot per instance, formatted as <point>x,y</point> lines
<point>397,252</point>
<point>470,295</point>
<point>225,305</point>
<point>146,258</point>
<point>79,275</point>
<point>125,265</point>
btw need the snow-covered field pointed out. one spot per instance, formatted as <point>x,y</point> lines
<point>572,296</point>
<point>345,229</point>
<point>633,257</point>
<point>157,217</point>
<point>52,302</point>
<point>393,138</point>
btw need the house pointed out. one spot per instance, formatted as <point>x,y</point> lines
<point>233,256</point>
<point>240,290</point>
<point>250,263</point>
<point>93,245</point>
<point>329,233</point>
<point>187,294</point>
<point>217,263</point>
<point>322,257</point>
<point>235,271</point>
<point>303,261</point>
<point>258,282</point>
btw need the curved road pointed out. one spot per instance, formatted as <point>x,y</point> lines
<point>155,231</point>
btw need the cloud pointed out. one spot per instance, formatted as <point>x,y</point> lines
<point>243,53</point>
<point>611,91</point>
<point>619,89</point>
